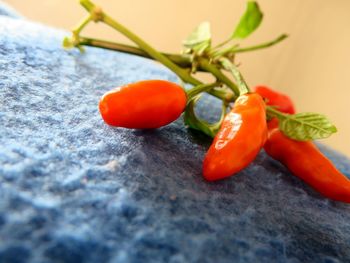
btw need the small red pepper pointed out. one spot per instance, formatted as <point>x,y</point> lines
<point>239,140</point>
<point>305,161</point>
<point>274,98</point>
<point>143,105</point>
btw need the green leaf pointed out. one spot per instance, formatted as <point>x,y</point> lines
<point>192,121</point>
<point>200,39</point>
<point>306,126</point>
<point>249,22</point>
<point>242,85</point>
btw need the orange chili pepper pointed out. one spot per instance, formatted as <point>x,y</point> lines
<point>274,98</point>
<point>305,161</point>
<point>143,105</point>
<point>239,140</point>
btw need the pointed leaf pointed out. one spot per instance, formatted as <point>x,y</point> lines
<point>200,39</point>
<point>249,22</point>
<point>306,126</point>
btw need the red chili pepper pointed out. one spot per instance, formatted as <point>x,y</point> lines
<point>274,98</point>
<point>305,161</point>
<point>240,138</point>
<point>143,105</point>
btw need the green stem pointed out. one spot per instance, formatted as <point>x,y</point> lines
<point>241,83</point>
<point>204,64</point>
<point>98,15</point>
<point>196,123</point>
<point>76,31</point>
<point>199,89</point>
<point>221,52</point>
<point>223,43</point>
<point>225,96</point>
<point>261,46</point>
<point>272,112</point>
<point>92,42</point>
<point>183,74</point>
<point>234,49</point>
<point>178,59</point>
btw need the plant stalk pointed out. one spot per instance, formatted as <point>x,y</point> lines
<point>204,64</point>
<point>98,13</point>
<point>261,46</point>
<point>92,42</point>
<point>199,89</point>
<point>81,25</point>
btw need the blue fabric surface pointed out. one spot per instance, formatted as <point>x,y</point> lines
<point>6,10</point>
<point>73,189</point>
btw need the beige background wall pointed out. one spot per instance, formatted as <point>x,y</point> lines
<point>313,65</point>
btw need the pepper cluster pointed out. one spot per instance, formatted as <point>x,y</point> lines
<point>243,132</point>
<point>249,119</point>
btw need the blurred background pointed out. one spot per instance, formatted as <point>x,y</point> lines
<point>312,65</point>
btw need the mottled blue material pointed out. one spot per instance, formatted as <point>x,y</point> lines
<point>6,10</point>
<point>73,189</point>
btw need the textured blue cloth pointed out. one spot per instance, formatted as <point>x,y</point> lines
<point>6,10</point>
<point>73,189</point>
